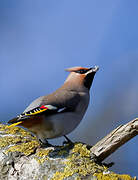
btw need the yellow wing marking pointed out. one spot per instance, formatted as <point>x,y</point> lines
<point>28,114</point>
<point>14,124</point>
<point>37,112</point>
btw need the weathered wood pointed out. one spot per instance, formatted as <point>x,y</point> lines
<point>115,139</point>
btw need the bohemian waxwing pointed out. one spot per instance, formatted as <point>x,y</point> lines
<point>59,113</point>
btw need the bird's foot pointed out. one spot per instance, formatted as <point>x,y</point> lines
<point>68,141</point>
<point>45,144</point>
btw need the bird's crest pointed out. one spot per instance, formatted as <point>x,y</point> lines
<point>74,69</point>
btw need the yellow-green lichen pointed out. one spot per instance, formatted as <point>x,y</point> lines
<point>14,130</point>
<point>43,152</point>
<point>113,176</point>
<point>25,148</point>
<point>16,139</point>
<point>81,149</point>
<point>78,162</point>
<point>77,178</point>
<point>7,140</point>
<point>42,155</point>
<point>58,176</point>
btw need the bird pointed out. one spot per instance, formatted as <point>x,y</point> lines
<point>60,112</point>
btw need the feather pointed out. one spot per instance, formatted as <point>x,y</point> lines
<point>27,115</point>
<point>14,124</point>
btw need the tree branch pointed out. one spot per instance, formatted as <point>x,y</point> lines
<point>115,139</point>
<point>22,157</point>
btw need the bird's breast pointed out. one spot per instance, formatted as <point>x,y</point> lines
<point>66,122</point>
<point>62,123</point>
<point>83,104</point>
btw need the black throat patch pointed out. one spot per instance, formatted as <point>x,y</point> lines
<point>89,79</point>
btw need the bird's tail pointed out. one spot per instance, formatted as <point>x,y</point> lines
<point>14,122</point>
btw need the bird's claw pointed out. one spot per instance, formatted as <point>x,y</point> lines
<point>45,144</point>
<point>69,142</point>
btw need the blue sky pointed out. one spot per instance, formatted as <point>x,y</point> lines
<point>39,39</point>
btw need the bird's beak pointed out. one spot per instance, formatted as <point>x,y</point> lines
<point>93,69</point>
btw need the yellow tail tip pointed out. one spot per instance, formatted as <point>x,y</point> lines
<point>14,124</point>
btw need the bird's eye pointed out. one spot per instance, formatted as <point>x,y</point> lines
<point>81,71</point>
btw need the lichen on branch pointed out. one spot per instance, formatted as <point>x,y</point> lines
<point>21,157</point>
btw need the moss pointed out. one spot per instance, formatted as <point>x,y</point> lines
<point>77,178</point>
<point>78,162</point>
<point>58,176</point>
<point>14,130</point>
<point>19,139</point>
<point>43,152</point>
<point>81,149</point>
<point>25,148</point>
<point>112,176</point>
<point>44,177</point>
<point>42,155</point>
<point>7,140</point>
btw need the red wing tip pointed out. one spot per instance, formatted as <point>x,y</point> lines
<point>43,107</point>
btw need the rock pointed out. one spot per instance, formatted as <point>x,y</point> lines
<point>22,158</point>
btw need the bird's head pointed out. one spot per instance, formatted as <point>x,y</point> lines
<point>80,76</point>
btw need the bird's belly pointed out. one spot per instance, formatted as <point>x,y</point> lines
<point>59,125</point>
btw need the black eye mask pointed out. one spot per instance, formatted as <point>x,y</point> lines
<point>82,71</point>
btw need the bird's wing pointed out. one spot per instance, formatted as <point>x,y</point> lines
<point>60,98</point>
<point>51,104</point>
<point>46,109</point>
